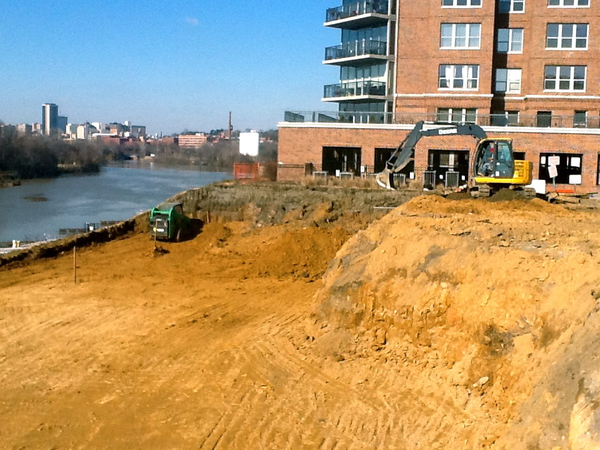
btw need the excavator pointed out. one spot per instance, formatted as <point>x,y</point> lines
<point>494,165</point>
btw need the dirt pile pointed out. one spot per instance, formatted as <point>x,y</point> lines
<point>491,308</point>
<point>288,322</point>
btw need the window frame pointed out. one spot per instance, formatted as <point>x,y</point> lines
<point>510,41</point>
<point>561,4</point>
<point>508,80</point>
<point>570,164</point>
<point>577,115</point>
<point>511,6</point>
<point>454,36</point>
<point>469,4</point>
<point>510,118</point>
<point>560,36</point>
<point>465,115</point>
<point>571,80</point>
<point>467,80</point>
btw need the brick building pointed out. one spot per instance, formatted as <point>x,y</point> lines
<point>520,68</point>
<point>196,140</point>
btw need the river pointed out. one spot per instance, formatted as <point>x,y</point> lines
<point>38,209</point>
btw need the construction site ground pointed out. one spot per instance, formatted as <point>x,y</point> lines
<point>339,321</point>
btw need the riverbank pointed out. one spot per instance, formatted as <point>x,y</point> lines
<point>318,317</point>
<point>265,204</point>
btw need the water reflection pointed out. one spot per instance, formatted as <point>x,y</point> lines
<point>37,209</point>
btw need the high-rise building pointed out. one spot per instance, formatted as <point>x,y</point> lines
<point>520,68</point>
<point>364,57</point>
<point>488,60</point>
<point>50,119</point>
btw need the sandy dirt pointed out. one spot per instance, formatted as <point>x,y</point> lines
<point>444,324</point>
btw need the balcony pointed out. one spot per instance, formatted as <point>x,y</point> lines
<point>357,90</point>
<point>366,13</point>
<point>350,52</point>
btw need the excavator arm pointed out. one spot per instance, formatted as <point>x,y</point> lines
<point>404,153</point>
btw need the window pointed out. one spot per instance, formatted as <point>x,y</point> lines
<point>457,115</point>
<point>512,6</point>
<point>341,159</point>
<point>544,119</point>
<point>510,40</point>
<point>461,3</point>
<point>508,80</point>
<point>568,170</point>
<point>569,3</point>
<point>505,118</point>
<point>460,35</point>
<point>564,78</point>
<point>458,76</point>
<point>580,119</point>
<point>567,36</point>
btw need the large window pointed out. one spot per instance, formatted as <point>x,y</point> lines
<point>568,169</point>
<point>341,159</point>
<point>512,6</point>
<point>510,40</point>
<point>565,78</point>
<point>569,3</point>
<point>457,115</point>
<point>462,77</point>
<point>461,3</point>
<point>460,35</point>
<point>505,118</point>
<point>508,80</point>
<point>567,36</point>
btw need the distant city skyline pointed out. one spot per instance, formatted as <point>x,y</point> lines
<point>170,66</point>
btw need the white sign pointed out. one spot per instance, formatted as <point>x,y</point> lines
<point>553,160</point>
<point>552,171</point>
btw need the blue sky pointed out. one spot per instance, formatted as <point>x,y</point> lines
<point>170,65</point>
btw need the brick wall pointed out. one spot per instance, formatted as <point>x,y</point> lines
<point>419,57</point>
<point>301,144</point>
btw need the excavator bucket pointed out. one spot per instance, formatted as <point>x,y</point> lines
<point>385,179</point>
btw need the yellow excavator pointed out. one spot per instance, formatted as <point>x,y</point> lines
<point>494,165</point>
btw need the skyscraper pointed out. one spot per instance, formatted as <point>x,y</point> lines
<point>49,119</point>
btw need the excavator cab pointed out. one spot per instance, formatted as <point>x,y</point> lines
<point>494,159</point>
<point>494,168</point>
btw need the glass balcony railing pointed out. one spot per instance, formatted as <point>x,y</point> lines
<point>337,117</point>
<point>356,9</point>
<point>357,48</point>
<point>354,89</point>
<point>529,120</point>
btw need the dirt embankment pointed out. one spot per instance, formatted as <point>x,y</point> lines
<point>296,319</point>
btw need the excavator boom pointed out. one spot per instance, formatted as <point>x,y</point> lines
<point>404,153</point>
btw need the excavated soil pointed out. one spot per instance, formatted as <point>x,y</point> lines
<point>442,324</point>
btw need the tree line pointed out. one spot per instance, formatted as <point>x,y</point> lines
<point>41,157</point>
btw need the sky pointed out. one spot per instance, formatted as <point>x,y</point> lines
<point>173,66</point>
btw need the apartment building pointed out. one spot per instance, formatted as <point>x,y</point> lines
<point>520,68</point>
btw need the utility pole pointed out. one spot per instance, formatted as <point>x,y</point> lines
<point>230,129</point>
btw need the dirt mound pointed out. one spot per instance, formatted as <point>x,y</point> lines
<point>301,253</point>
<point>445,324</point>
<point>481,303</point>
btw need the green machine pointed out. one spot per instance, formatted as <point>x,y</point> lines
<point>168,222</point>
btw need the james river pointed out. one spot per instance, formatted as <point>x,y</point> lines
<point>38,209</point>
